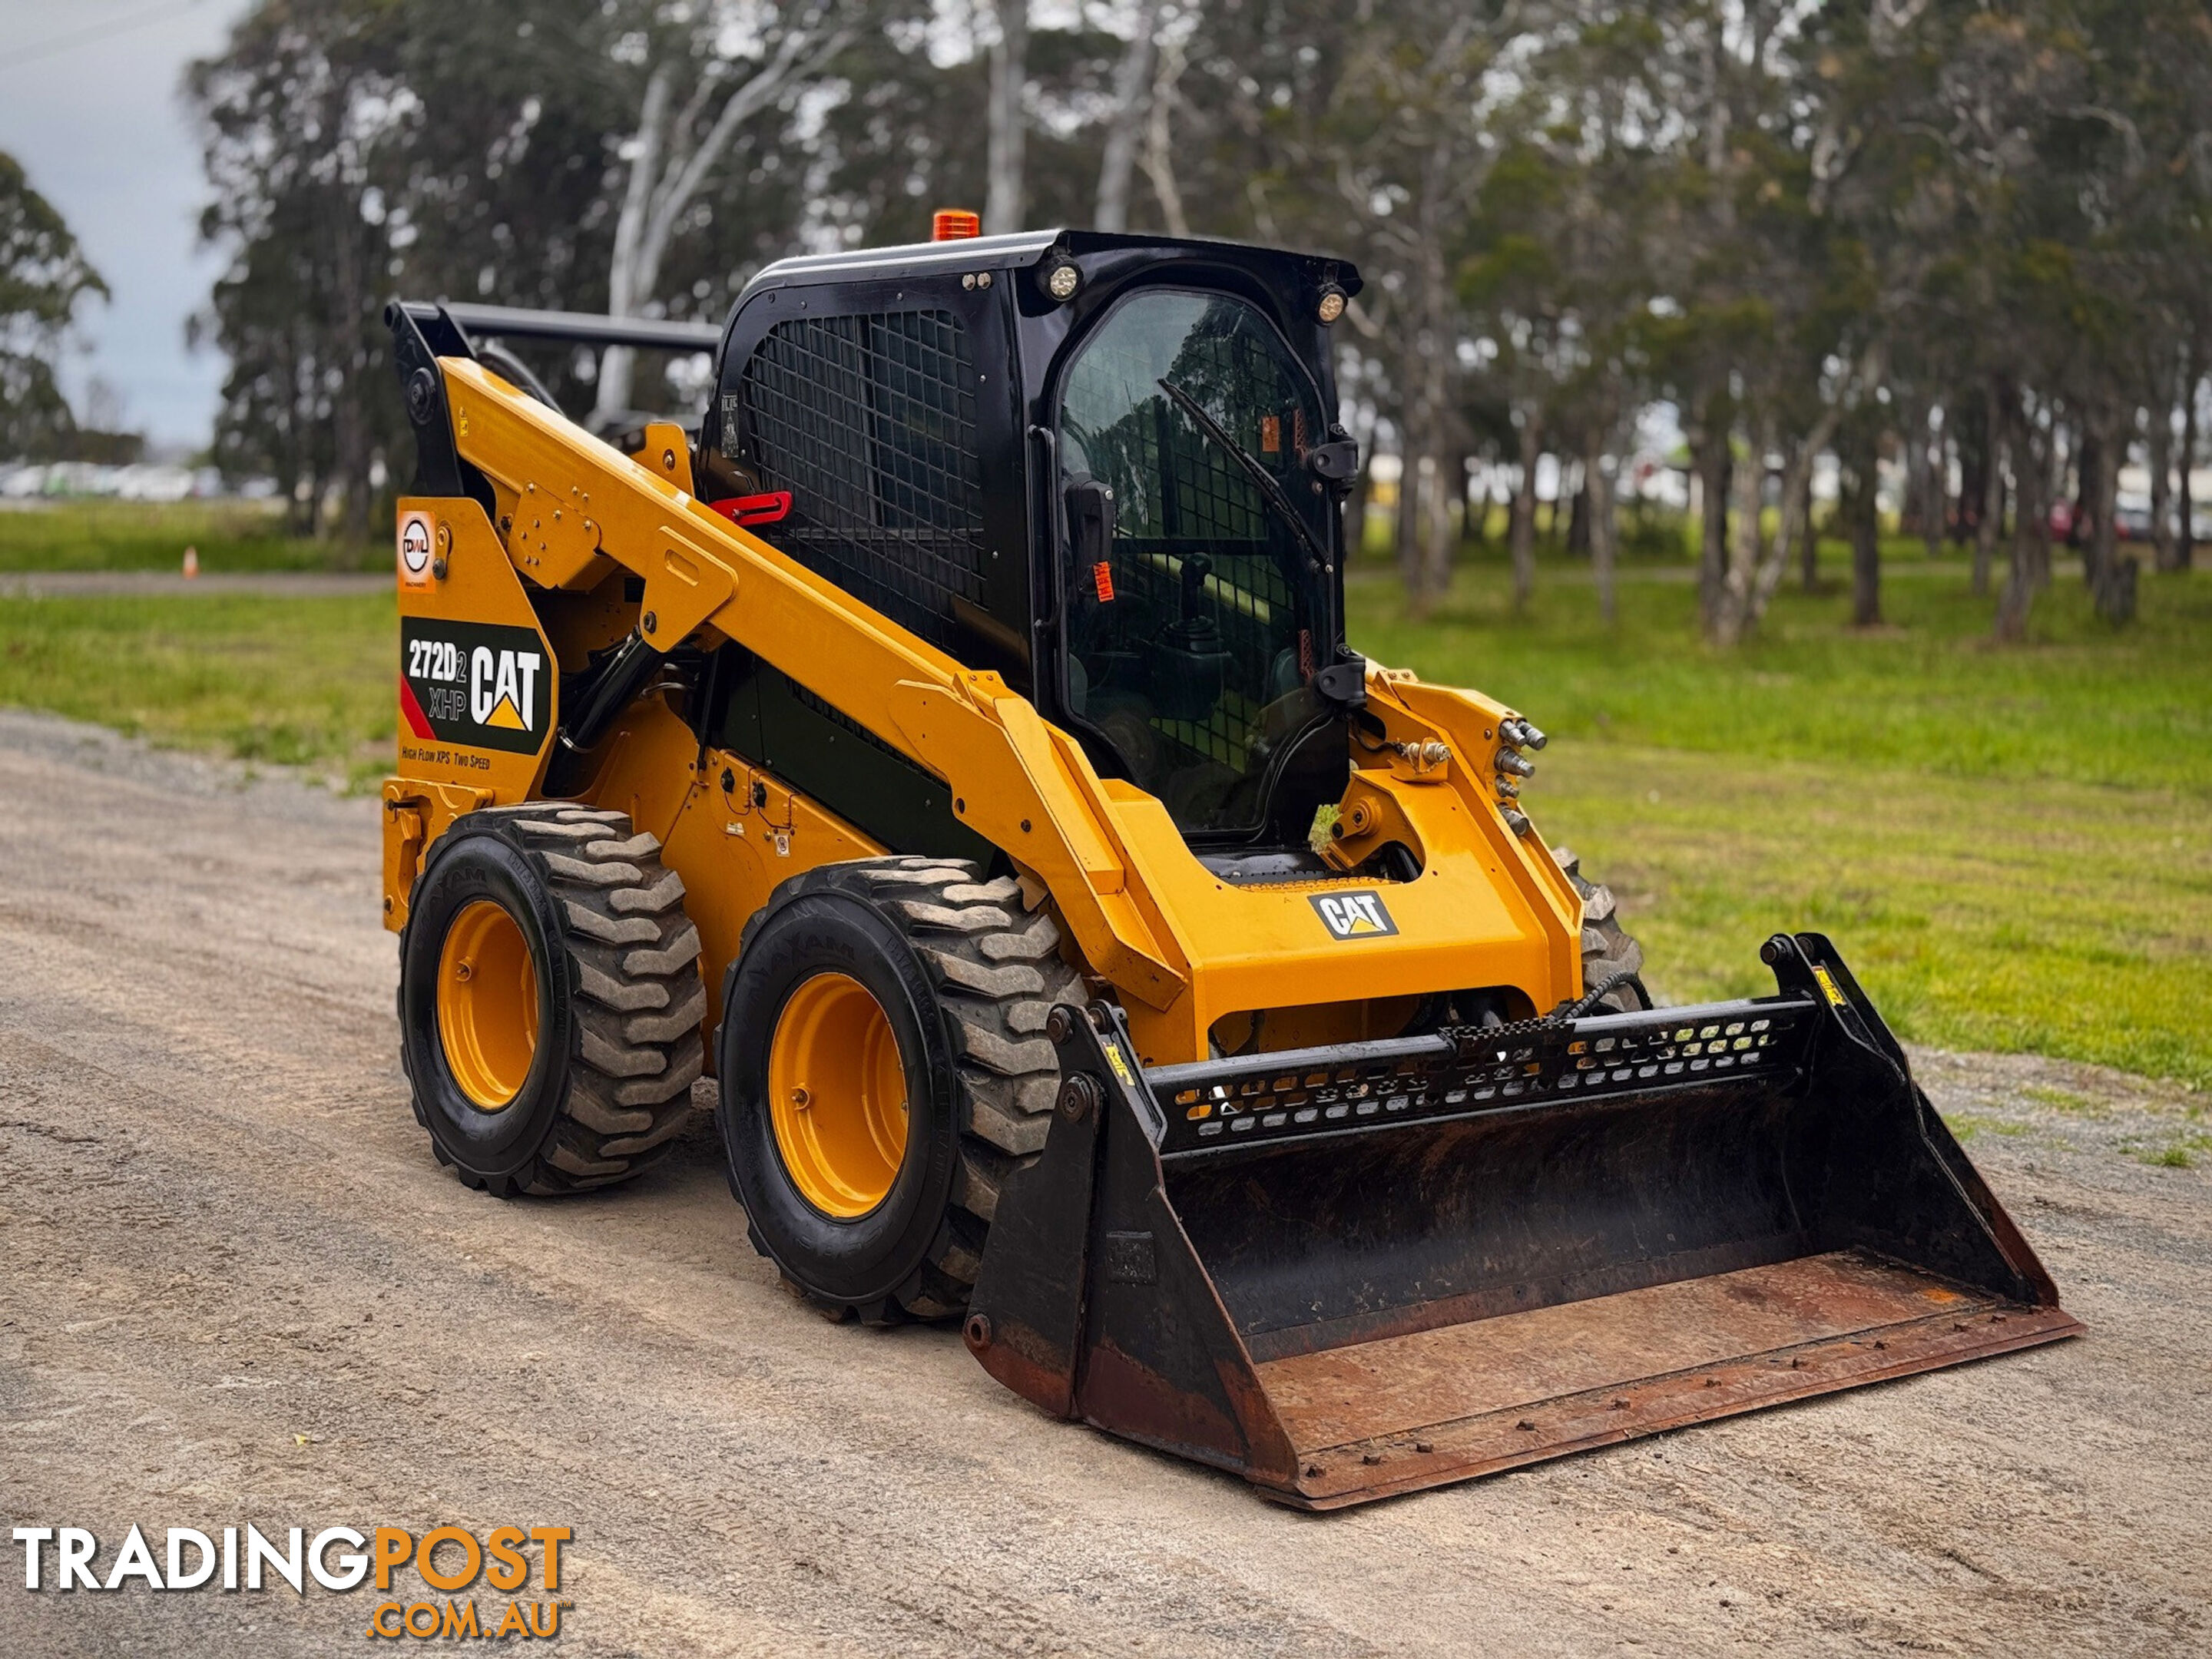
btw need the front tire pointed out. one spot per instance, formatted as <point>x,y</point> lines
<point>855,981</point>
<point>1609,951</point>
<point>549,999</point>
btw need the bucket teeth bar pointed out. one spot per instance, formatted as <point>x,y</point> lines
<point>1351,1271</point>
<point>1270,1099</point>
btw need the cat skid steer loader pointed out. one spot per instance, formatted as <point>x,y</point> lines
<point>952,744</point>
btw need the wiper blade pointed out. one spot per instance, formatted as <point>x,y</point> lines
<point>1276,494</point>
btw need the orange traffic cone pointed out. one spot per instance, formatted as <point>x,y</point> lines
<point>191,562</point>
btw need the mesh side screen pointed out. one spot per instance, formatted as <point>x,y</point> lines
<point>869,421</point>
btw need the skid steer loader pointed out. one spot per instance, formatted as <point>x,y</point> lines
<point>951,742</point>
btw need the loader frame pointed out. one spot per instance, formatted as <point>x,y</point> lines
<point>519,495</point>
<point>1378,1250</point>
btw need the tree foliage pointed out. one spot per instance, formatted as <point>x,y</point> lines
<point>1967,232</point>
<point>44,278</point>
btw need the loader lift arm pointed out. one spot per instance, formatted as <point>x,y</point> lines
<point>573,501</point>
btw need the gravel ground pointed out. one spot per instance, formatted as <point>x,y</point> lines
<point>239,1289</point>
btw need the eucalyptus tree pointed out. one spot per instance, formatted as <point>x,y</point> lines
<point>44,278</point>
<point>708,70</point>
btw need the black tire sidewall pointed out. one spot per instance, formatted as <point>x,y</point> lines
<point>468,865</point>
<point>870,1256</point>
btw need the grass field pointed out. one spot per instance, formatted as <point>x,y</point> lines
<point>294,681</point>
<point>112,535</point>
<point>2012,847</point>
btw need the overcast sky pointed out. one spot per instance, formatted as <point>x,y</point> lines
<point>90,104</point>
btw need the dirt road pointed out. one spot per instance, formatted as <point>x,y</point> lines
<point>237,1288</point>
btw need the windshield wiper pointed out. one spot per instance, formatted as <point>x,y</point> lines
<point>1276,494</point>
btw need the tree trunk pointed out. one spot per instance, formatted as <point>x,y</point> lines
<point>1521,536</point>
<point>349,432</point>
<point>2184,534</point>
<point>669,169</point>
<point>1745,606</point>
<point>1939,492</point>
<point>1604,531</point>
<point>2030,539</point>
<point>1809,539</point>
<point>1747,546</point>
<point>2115,584</point>
<point>1159,142</point>
<point>625,291</point>
<point>1437,493</point>
<point>1009,131</point>
<point>1993,486</point>
<point>1973,473</point>
<point>1578,512</point>
<point>1910,508</point>
<point>1405,540</point>
<point>2082,443</point>
<point>1796,494</point>
<point>2089,452</point>
<point>2163,548</point>
<point>1710,457</point>
<point>1132,86</point>
<point>1865,529</point>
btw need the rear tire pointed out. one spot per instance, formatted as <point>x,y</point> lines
<point>595,960</point>
<point>1607,948</point>
<point>965,978</point>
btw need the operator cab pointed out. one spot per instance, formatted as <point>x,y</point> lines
<point>1106,467</point>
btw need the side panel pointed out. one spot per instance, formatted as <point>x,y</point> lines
<point>478,686</point>
<point>800,737</point>
<point>730,828</point>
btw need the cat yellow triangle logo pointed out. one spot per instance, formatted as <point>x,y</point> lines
<point>1359,925</point>
<point>505,715</point>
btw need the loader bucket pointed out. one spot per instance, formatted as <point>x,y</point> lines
<point>1351,1271</point>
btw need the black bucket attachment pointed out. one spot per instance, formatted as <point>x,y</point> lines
<point>1351,1271</point>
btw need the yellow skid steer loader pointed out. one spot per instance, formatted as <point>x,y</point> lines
<point>950,743</point>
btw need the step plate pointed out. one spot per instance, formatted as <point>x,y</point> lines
<point>1448,1404</point>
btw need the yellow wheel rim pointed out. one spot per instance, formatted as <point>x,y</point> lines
<point>487,1005</point>
<point>836,1092</point>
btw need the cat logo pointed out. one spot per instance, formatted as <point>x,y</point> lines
<point>503,688</point>
<point>1353,916</point>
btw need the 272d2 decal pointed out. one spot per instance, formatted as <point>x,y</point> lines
<point>482,686</point>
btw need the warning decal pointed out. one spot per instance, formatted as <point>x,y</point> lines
<point>415,549</point>
<point>472,683</point>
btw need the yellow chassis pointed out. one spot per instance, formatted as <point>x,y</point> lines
<point>579,522</point>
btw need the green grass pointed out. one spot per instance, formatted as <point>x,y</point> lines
<point>2012,849</point>
<point>305,682</point>
<point>1929,693</point>
<point>105,535</point>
